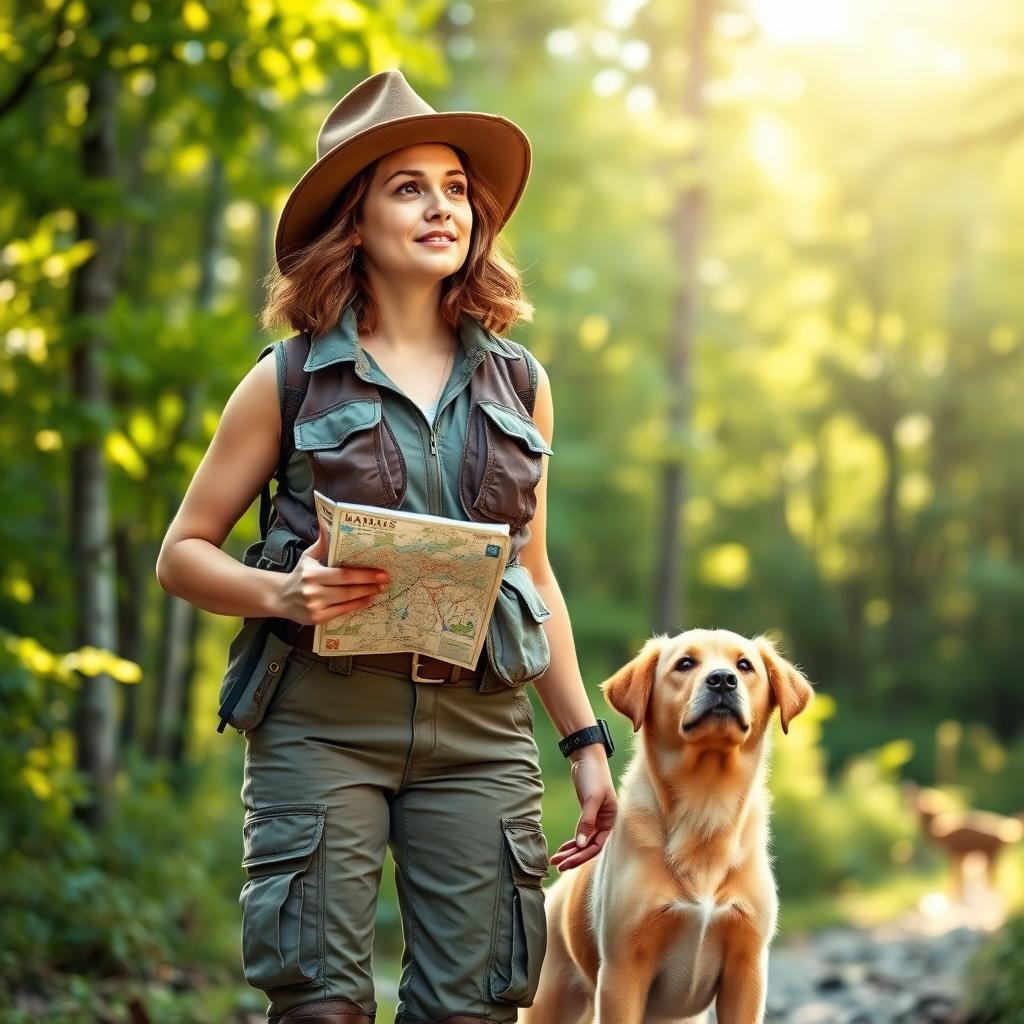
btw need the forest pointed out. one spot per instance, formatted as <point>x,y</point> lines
<point>775,253</point>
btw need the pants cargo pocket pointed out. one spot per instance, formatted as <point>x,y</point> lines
<point>520,936</point>
<point>282,902</point>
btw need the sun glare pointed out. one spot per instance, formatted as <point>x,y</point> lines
<point>799,20</point>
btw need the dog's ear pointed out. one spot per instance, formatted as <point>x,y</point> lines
<point>629,690</point>
<point>791,690</point>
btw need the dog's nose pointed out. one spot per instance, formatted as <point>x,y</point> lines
<point>720,680</point>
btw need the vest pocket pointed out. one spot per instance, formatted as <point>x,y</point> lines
<point>517,645</point>
<point>520,933</point>
<point>355,456</point>
<point>512,465</point>
<point>282,902</point>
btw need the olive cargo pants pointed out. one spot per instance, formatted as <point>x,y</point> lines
<point>346,761</point>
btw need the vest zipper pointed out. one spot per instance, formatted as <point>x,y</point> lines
<point>437,464</point>
<point>422,415</point>
<point>433,441</point>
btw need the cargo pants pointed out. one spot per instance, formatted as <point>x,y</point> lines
<point>346,761</point>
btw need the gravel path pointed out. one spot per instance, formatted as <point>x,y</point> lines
<point>893,974</point>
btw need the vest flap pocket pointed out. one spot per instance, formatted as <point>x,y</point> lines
<point>330,428</point>
<point>282,833</point>
<point>517,646</point>
<point>519,579</point>
<point>516,425</point>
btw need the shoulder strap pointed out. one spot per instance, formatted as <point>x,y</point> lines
<point>292,380</point>
<point>524,376</point>
<point>295,350</point>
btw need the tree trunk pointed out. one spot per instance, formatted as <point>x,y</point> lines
<point>134,556</point>
<point>131,557</point>
<point>688,227</point>
<point>93,556</point>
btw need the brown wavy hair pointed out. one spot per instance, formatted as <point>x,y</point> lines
<point>328,274</point>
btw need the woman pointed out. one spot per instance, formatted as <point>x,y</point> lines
<point>387,265</point>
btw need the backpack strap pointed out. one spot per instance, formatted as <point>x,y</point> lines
<point>294,350</point>
<point>292,381</point>
<point>524,376</point>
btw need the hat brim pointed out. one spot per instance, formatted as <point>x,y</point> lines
<point>497,148</point>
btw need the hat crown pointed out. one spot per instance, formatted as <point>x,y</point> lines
<point>380,98</point>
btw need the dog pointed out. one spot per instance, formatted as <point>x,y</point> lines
<point>680,906</point>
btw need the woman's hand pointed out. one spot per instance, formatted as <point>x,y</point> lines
<point>313,593</point>
<point>598,803</point>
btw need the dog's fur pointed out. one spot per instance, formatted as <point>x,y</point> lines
<point>678,908</point>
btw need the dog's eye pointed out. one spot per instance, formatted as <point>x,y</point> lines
<point>744,665</point>
<point>685,664</point>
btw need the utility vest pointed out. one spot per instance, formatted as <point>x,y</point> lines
<point>356,438</point>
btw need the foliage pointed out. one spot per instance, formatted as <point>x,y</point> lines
<point>996,976</point>
<point>827,833</point>
<point>149,889</point>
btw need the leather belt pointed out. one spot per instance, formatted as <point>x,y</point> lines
<point>421,668</point>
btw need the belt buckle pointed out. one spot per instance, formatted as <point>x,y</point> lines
<point>417,678</point>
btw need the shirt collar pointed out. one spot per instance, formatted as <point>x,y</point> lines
<point>341,342</point>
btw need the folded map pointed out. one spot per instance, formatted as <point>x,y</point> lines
<point>445,576</point>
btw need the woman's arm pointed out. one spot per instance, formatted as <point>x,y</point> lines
<point>561,689</point>
<point>241,458</point>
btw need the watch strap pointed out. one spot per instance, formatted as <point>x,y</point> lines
<point>583,737</point>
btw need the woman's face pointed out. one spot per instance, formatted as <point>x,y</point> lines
<point>416,190</point>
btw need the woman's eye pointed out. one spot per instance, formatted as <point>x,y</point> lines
<point>744,665</point>
<point>402,188</point>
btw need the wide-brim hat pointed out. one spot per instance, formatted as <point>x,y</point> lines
<point>384,113</point>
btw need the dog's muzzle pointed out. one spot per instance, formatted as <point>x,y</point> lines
<point>719,699</point>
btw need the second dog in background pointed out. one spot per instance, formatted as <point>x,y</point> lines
<point>679,908</point>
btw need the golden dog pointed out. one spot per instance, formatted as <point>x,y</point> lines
<point>679,907</point>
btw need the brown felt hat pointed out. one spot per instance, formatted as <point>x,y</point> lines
<point>381,114</point>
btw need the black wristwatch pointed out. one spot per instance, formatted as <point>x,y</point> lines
<point>591,734</point>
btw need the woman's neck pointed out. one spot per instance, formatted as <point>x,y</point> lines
<point>408,320</point>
